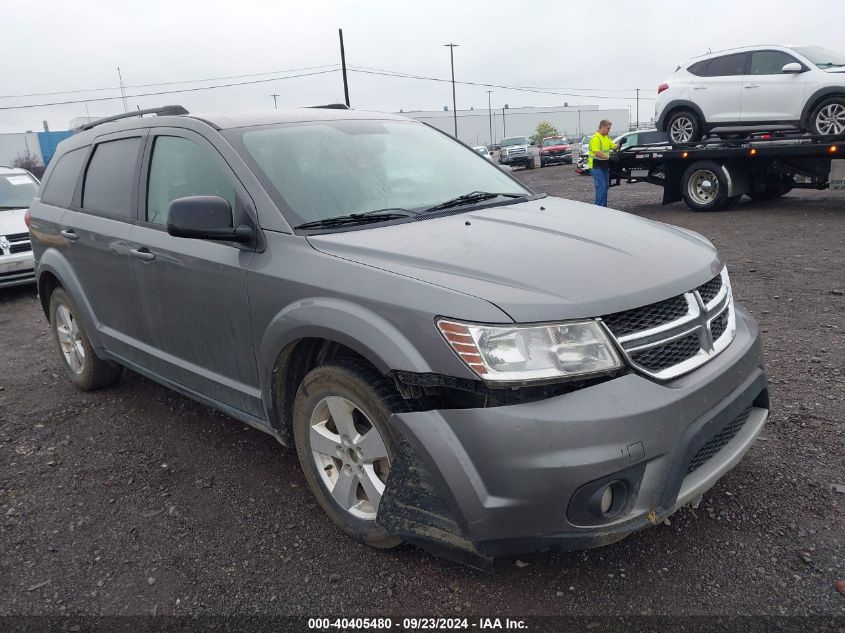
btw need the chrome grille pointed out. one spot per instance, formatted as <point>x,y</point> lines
<point>622,323</point>
<point>672,337</point>
<point>718,441</point>
<point>15,243</point>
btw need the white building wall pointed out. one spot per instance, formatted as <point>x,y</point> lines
<point>474,125</point>
<point>14,145</point>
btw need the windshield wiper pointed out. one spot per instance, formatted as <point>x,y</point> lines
<point>376,215</point>
<point>470,198</point>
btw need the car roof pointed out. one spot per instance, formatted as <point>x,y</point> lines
<point>227,121</point>
<point>8,171</point>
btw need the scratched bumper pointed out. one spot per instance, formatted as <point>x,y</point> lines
<point>507,479</point>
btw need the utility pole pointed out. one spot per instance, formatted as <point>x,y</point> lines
<point>122,91</point>
<point>490,113</point>
<point>343,67</point>
<point>638,108</point>
<point>454,104</point>
<point>275,106</point>
<point>504,123</point>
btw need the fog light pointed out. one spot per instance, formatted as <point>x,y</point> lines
<point>606,499</point>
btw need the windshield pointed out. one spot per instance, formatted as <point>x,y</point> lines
<point>549,142</point>
<point>328,169</point>
<point>16,190</point>
<point>821,57</point>
<point>516,140</point>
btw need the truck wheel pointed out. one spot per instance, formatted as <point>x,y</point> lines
<point>87,370</point>
<point>683,126</point>
<point>542,164</point>
<point>345,445</point>
<point>530,164</point>
<point>828,117</point>
<point>704,187</point>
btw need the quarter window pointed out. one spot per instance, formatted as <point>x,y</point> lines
<point>111,177</point>
<point>727,66</point>
<point>181,168</point>
<point>59,188</point>
<point>770,62</point>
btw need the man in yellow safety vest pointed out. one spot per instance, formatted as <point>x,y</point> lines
<point>600,148</point>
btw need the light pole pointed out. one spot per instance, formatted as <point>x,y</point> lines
<point>504,123</point>
<point>638,108</point>
<point>454,104</point>
<point>275,106</point>
<point>490,116</point>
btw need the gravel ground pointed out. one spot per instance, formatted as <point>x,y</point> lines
<point>135,499</point>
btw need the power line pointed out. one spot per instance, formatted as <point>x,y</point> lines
<point>166,83</point>
<point>488,85</point>
<point>167,92</point>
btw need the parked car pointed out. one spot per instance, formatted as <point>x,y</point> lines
<point>482,149</point>
<point>17,188</point>
<point>516,150</point>
<point>754,88</point>
<point>435,339</point>
<point>555,149</point>
<point>641,137</point>
<point>582,166</point>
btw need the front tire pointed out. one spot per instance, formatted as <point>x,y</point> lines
<point>345,446</point>
<point>87,370</point>
<point>828,118</point>
<point>704,187</point>
<point>684,126</point>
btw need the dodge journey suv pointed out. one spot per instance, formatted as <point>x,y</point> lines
<point>458,361</point>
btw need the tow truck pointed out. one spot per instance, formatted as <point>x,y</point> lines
<point>713,174</point>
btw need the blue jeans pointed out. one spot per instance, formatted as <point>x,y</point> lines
<point>602,179</point>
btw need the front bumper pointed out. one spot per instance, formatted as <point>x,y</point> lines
<point>506,475</point>
<point>549,159</point>
<point>521,159</point>
<point>16,269</point>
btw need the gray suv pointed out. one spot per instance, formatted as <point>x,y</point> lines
<point>459,362</point>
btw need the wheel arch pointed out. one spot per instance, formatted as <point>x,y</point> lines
<point>674,106</point>
<point>817,97</point>
<point>314,330</point>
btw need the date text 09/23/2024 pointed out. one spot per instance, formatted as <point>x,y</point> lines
<point>416,624</point>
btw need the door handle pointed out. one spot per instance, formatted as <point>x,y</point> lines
<point>69,234</point>
<point>143,254</point>
<point>699,87</point>
<point>753,86</point>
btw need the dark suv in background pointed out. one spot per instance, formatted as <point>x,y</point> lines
<point>458,361</point>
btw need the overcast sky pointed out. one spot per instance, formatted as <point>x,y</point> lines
<point>601,46</point>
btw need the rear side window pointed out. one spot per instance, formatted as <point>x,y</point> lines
<point>111,177</point>
<point>181,168</point>
<point>59,188</point>
<point>770,62</point>
<point>727,66</point>
<point>699,68</point>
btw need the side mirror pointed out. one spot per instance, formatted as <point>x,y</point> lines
<point>205,218</point>
<point>792,68</point>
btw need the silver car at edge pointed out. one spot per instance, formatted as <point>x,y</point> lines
<point>459,362</point>
<point>17,188</point>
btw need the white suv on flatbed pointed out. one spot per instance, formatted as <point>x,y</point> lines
<point>17,188</point>
<point>757,87</point>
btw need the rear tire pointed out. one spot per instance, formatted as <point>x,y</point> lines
<point>345,446</point>
<point>828,118</point>
<point>683,126</point>
<point>87,370</point>
<point>704,187</point>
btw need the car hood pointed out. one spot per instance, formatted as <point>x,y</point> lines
<point>543,260</point>
<point>11,221</point>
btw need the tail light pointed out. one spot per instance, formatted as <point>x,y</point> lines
<point>26,218</point>
<point>662,87</point>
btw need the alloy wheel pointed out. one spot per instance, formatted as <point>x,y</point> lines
<point>350,455</point>
<point>681,129</point>
<point>831,119</point>
<point>70,339</point>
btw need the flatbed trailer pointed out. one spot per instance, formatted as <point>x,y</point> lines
<point>714,174</point>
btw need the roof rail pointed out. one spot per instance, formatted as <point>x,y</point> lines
<point>332,106</point>
<point>162,111</point>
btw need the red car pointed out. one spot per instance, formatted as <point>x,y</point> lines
<point>555,149</point>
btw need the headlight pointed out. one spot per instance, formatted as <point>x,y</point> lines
<point>518,353</point>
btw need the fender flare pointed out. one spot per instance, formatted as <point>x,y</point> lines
<point>818,95</point>
<point>674,105</point>
<point>56,263</point>
<point>362,330</point>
